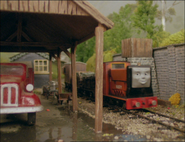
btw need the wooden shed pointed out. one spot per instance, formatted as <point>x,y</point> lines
<point>54,26</point>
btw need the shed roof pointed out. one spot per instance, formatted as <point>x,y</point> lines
<point>44,25</point>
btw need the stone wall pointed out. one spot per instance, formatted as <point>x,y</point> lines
<point>170,66</point>
<point>143,61</point>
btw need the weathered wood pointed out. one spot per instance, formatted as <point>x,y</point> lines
<point>13,5</point>
<point>53,6</point>
<point>12,36</point>
<point>95,13</point>
<point>23,5</point>
<point>99,79</point>
<point>50,67</point>
<point>59,72</point>
<point>3,5</point>
<point>33,6</point>
<point>74,81</point>
<point>63,7</point>
<point>67,52</point>
<point>19,27</point>
<point>86,38</point>
<point>69,7</point>
<point>136,47</point>
<point>26,36</point>
<point>32,44</point>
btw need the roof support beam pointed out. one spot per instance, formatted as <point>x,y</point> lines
<point>33,44</point>
<point>59,72</point>
<point>67,52</point>
<point>74,82</point>
<point>99,79</point>
<point>12,36</point>
<point>19,27</point>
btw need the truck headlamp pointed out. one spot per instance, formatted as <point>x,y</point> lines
<point>29,87</point>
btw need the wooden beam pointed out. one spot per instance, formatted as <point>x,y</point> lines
<point>33,44</point>
<point>12,36</point>
<point>99,79</point>
<point>26,36</point>
<point>67,52</point>
<point>50,67</point>
<point>59,72</point>
<point>23,49</point>
<point>74,82</point>
<point>86,37</point>
<point>19,27</point>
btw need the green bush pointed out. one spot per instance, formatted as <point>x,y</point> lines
<point>175,38</point>
<point>107,56</point>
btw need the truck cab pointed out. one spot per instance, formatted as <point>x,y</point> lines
<point>16,91</point>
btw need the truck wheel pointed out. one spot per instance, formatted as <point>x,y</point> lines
<point>31,118</point>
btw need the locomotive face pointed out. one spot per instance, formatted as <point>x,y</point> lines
<point>140,77</point>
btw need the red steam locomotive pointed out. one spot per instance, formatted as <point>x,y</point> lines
<point>122,82</point>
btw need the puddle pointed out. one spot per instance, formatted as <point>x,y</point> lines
<point>61,123</point>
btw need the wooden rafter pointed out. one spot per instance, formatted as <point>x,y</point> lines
<point>26,36</point>
<point>33,44</point>
<point>19,27</point>
<point>12,36</point>
<point>67,52</point>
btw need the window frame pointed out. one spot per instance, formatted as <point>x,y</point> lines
<point>40,66</point>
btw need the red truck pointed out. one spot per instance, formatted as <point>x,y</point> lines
<point>16,88</point>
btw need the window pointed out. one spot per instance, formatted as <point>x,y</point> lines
<point>118,66</point>
<point>41,67</point>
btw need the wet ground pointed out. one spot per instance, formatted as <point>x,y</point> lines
<point>58,122</point>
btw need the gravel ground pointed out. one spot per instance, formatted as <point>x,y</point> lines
<point>129,124</point>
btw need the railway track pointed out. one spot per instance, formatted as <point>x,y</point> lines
<point>154,117</point>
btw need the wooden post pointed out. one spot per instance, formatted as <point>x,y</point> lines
<point>74,82</point>
<point>59,72</point>
<point>50,67</point>
<point>99,79</point>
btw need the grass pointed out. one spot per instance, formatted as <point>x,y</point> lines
<point>55,72</point>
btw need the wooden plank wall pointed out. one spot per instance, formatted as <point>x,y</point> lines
<point>43,6</point>
<point>136,47</point>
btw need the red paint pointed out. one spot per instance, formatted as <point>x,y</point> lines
<point>14,84</point>
<point>145,102</point>
<point>5,97</point>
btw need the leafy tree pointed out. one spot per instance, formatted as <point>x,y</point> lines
<point>122,28</point>
<point>85,50</point>
<point>166,13</point>
<point>107,56</point>
<point>144,18</point>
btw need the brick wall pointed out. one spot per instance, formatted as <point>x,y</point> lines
<point>170,67</point>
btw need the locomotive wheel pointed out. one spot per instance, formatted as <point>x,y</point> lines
<point>31,118</point>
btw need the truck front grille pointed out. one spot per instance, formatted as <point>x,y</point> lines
<point>9,95</point>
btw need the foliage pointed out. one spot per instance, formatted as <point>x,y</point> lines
<point>159,37</point>
<point>107,56</point>
<point>168,13</point>
<point>112,38</point>
<point>85,50</point>
<point>174,38</point>
<point>175,99</point>
<point>144,18</point>
<point>4,56</point>
<point>122,29</point>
